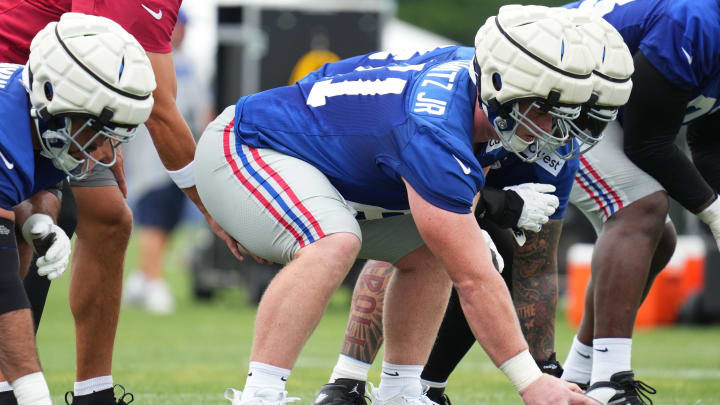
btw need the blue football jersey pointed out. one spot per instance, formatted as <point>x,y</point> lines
<point>681,38</point>
<point>370,121</point>
<point>23,172</point>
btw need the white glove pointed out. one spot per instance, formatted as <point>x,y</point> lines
<point>711,216</point>
<point>49,242</point>
<point>539,204</point>
<point>498,261</point>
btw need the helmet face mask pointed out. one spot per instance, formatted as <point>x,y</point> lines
<point>543,140</point>
<point>89,82</point>
<point>64,142</point>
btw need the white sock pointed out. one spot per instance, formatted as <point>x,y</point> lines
<point>95,384</point>
<point>433,384</point>
<point>579,363</point>
<point>5,386</point>
<point>32,389</point>
<point>610,356</point>
<point>264,377</point>
<point>396,379</point>
<point>347,367</point>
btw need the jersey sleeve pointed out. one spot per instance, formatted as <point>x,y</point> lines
<point>151,22</point>
<point>445,175</point>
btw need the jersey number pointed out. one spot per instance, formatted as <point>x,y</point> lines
<point>322,90</point>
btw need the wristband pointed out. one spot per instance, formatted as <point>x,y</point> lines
<point>521,370</point>
<point>184,177</point>
<point>711,213</point>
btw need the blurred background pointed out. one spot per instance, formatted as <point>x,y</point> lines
<point>188,304</point>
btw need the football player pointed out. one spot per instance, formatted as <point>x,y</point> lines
<point>394,139</point>
<point>97,262</point>
<point>87,82</point>
<point>531,266</point>
<point>622,185</point>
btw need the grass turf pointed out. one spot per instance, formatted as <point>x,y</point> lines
<point>190,357</point>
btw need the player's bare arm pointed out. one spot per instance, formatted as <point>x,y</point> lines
<point>173,139</point>
<point>457,240</point>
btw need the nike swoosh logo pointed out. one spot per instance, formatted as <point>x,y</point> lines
<point>464,168</point>
<point>156,14</point>
<point>687,55</point>
<point>396,374</point>
<point>603,350</point>
<point>283,378</point>
<point>8,164</point>
<point>587,356</point>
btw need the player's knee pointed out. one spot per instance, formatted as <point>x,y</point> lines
<point>114,221</point>
<point>339,250</point>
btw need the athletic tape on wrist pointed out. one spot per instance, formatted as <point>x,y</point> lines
<point>521,370</point>
<point>184,177</point>
<point>710,214</point>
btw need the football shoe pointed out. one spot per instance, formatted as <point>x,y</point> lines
<point>344,391</point>
<point>622,389</point>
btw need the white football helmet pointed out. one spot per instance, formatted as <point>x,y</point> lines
<point>611,80</point>
<point>86,67</point>
<point>529,53</point>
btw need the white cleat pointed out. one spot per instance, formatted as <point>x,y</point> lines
<point>403,398</point>
<point>158,298</point>
<point>134,289</point>
<point>262,397</point>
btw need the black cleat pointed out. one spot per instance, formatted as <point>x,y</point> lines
<point>551,366</point>
<point>104,397</point>
<point>344,391</point>
<point>622,389</point>
<point>438,396</point>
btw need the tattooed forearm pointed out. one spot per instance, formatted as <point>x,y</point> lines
<point>535,288</point>
<point>364,331</point>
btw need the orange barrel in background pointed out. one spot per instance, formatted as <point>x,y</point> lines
<point>694,275</point>
<point>579,257</point>
<point>683,276</point>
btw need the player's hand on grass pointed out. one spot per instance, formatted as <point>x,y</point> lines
<point>548,390</point>
<point>538,204</point>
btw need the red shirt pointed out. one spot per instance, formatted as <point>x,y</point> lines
<point>150,21</point>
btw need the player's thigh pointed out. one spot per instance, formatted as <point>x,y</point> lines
<point>100,203</point>
<point>272,203</point>
<point>389,239</point>
<point>607,180</point>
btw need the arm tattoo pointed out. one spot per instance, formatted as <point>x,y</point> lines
<point>364,331</point>
<point>535,288</point>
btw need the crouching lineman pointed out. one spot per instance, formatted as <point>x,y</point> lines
<point>400,136</point>
<point>532,265</point>
<point>88,82</point>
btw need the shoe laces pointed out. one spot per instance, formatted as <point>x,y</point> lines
<point>234,395</point>
<point>126,397</point>
<point>639,389</point>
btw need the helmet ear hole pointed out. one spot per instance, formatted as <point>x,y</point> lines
<point>497,81</point>
<point>48,91</point>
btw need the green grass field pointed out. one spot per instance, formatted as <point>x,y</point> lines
<point>190,357</point>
